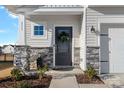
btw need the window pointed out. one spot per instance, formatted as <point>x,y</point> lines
<point>38,30</point>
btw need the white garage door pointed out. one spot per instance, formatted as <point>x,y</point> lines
<point>116,48</point>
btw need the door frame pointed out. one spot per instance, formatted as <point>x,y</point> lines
<point>54,50</point>
<point>107,19</point>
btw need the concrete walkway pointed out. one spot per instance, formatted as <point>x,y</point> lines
<point>64,82</point>
<point>67,79</point>
<point>93,86</point>
<point>64,78</point>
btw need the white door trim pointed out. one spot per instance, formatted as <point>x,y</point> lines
<point>107,19</point>
<point>61,25</point>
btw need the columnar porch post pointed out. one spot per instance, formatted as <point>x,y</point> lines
<point>21,33</point>
<point>83,41</point>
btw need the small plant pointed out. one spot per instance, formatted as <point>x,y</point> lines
<point>23,85</point>
<point>46,67</point>
<point>16,74</point>
<point>41,71</point>
<point>90,72</point>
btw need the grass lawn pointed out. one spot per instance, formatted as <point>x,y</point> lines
<point>4,65</point>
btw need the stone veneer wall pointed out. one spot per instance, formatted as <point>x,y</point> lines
<point>25,57</point>
<point>92,57</point>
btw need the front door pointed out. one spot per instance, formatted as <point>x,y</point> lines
<point>63,51</point>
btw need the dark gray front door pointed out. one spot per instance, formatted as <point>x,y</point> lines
<point>63,56</point>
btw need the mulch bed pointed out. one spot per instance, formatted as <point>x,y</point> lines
<point>83,79</point>
<point>34,82</point>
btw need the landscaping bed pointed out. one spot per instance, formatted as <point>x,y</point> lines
<point>84,79</point>
<point>26,82</point>
<point>89,77</point>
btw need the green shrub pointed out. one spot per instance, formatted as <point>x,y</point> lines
<point>41,71</point>
<point>23,85</point>
<point>90,72</point>
<point>16,74</point>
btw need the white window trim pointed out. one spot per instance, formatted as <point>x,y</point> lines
<point>44,36</point>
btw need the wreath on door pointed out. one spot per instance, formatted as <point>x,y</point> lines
<point>63,37</point>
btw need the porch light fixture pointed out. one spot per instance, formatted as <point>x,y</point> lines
<point>93,29</point>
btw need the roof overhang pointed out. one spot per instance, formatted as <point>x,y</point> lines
<point>39,10</point>
<point>106,6</point>
<point>58,11</point>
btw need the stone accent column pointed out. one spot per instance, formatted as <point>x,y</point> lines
<point>93,57</point>
<point>25,57</point>
<point>21,55</point>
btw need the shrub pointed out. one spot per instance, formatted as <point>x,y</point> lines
<point>90,72</point>
<point>23,85</point>
<point>46,67</point>
<point>41,71</point>
<point>16,74</point>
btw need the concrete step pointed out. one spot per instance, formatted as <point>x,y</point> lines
<point>65,72</point>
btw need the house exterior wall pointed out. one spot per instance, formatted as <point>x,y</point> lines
<point>51,21</point>
<point>92,43</point>
<point>95,17</point>
<point>8,49</point>
<point>92,19</point>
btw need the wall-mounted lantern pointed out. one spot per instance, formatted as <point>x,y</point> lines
<point>92,29</point>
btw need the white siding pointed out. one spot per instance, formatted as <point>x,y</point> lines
<point>93,15</point>
<point>91,20</point>
<point>51,21</point>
